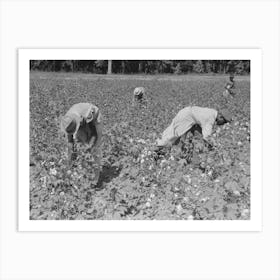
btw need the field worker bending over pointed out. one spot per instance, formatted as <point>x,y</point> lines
<point>83,124</point>
<point>138,94</point>
<point>190,116</point>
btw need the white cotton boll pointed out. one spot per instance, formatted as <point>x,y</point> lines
<point>236,193</point>
<point>53,171</point>
<point>190,217</point>
<point>44,181</point>
<point>141,141</point>
<point>179,208</point>
<point>203,200</point>
<point>245,213</point>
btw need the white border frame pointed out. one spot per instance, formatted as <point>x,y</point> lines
<point>254,224</point>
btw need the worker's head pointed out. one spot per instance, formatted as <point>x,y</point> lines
<point>231,77</point>
<point>139,92</point>
<point>68,124</point>
<point>223,117</point>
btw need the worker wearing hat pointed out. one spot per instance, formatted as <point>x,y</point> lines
<point>229,86</point>
<point>190,116</point>
<point>83,124</point>
<point>138,94</point>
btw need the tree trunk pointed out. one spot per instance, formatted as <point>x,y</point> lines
<point>73,65</point>
<point>123,67</point>
<point>109,67</point>
<point>140,67</point>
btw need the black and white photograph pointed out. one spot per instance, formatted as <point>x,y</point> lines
<point>140,139</point>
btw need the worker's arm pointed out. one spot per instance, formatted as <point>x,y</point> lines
<point>99,128</point>
<point>98,124</point>
<point>207,129</point>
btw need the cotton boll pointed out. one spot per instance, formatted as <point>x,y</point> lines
<point>53,171</point>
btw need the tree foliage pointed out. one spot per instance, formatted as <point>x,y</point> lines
<point>241,67</point>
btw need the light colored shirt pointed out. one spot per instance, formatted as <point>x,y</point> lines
<point>89,122</point>
<point>229,85</point>
<point>85,111</point>
<point>185,120</point>
<point>205,117</point>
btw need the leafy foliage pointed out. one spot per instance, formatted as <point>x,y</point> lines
<point>190,182</point>
<point>240,67</point>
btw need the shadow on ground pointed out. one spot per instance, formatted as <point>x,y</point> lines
<point>107,174</point>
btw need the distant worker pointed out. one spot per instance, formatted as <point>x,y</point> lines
<point>139,94</point>
<point>83,124</point>
<point>189,117</point>
<point>229,86</point>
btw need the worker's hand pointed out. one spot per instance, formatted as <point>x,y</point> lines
<point>158,152</point>
<point>210,143</point>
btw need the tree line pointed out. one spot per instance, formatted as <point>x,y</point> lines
<point>239,67</point>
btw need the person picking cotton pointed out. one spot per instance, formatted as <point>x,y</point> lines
<point>186,118</point>
<point>83,124</point>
